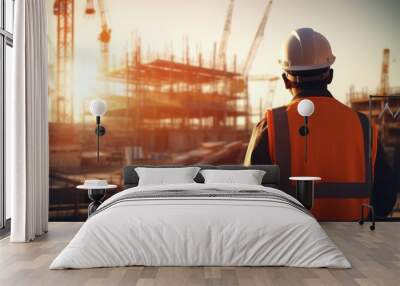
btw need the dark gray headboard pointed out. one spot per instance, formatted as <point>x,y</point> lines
<point>271,177</point>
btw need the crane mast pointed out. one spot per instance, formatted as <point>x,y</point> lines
<point>221,63</point>
<point>105,32</point>
<point>104,37</point>
<point>257,40</point>
<point>62,101</point>
<point>384,86</point>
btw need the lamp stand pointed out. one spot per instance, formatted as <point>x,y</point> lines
<point>100,131</point>
<point>304,131</point>
<point>306,139</point>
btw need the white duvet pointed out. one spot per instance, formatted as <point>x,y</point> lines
<point>200,231</point>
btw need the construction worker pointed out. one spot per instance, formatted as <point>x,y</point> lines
<point>338,137</point>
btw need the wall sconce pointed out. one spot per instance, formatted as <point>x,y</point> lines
<point>305,108</point>
<point>98,108</point>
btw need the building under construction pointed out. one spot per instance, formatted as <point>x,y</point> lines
<point>162,106</point>
<point>168,107</point>
<point>161,109</point>
<point>166,112</point>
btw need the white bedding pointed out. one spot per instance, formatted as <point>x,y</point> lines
<point>200,231</point>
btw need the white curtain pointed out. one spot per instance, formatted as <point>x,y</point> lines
<point>27,122</point>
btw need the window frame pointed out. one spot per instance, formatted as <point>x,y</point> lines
<point>6,39</point>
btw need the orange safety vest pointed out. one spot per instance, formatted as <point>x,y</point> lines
<point>338,152</point>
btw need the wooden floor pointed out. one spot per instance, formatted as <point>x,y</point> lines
<point>375,257</point>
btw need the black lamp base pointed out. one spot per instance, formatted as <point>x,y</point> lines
<point>303,131</point>
<point>305,193</point>
<point>96,197</point>
<point>100,130</point>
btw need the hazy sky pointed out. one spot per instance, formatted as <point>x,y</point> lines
<point>358,30</point>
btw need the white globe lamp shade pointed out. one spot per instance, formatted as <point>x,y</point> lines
<point>305,108</point>
<point>98,107</point>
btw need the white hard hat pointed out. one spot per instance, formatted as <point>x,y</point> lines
<point>306,49</point>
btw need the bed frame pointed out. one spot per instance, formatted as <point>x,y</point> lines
<point>270,179</point>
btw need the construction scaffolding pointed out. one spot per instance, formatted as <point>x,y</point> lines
<point>168,107</point>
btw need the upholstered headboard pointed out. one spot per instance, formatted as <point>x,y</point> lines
<point>270,179</point>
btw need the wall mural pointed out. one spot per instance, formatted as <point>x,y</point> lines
<point>184,83</point>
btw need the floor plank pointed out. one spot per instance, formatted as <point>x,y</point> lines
<point>375,257</point>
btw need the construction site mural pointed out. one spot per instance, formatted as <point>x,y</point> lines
<point>184,81</point>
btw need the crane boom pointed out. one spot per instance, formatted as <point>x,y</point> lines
<point>103,17</point>
<point>225,36</point>
<point>257,40</point>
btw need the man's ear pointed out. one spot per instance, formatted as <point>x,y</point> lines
<point>330,76</point>
<point>286,81</point>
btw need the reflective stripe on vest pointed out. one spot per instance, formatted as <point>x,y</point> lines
<point>282,143</point>
<point>324,190</point>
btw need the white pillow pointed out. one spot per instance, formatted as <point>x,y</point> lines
<point>165,176</point>
<point>248,177</point>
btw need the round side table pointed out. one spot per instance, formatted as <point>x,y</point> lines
<point>305,190</point>
<point>96,195</point>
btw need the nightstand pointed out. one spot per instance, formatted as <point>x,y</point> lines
<point>96,195</point>
<point>305,190</point>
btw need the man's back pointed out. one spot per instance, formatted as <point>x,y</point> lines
<point>337,152</point>
<point>338,141</point>
<point>335,142</point>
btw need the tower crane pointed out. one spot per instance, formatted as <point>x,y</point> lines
<point>384,86</point>
<point>257,41</point>
<point>64,11</point>
<point>252,53</point>
<point>62,101</point>
<point>105,33</point>
<point>221,62</point>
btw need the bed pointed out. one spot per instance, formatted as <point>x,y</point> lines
<point>197,224</point>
